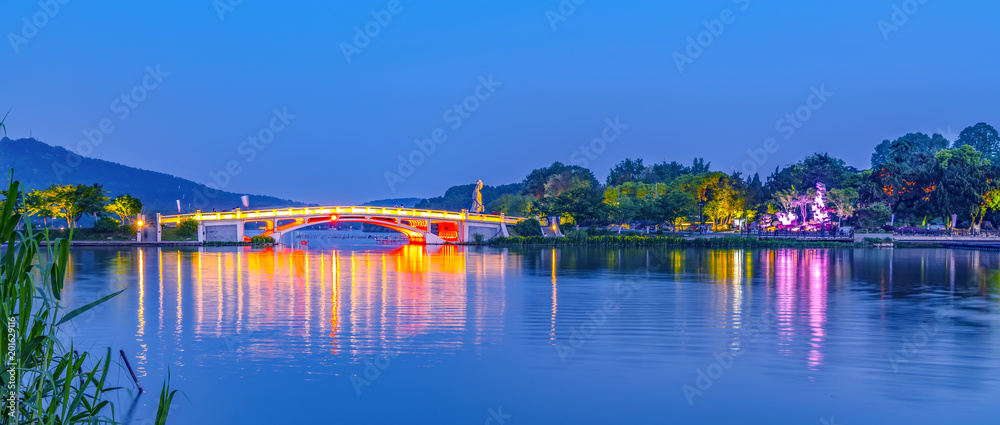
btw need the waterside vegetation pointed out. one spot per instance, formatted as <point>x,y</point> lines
<point>581,238</point>
<point>48,378</point>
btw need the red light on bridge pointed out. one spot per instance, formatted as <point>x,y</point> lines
<point>333,217</point>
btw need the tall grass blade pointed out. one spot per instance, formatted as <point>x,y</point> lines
<point>83,309</point>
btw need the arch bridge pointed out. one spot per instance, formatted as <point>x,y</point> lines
<point>419,226</point>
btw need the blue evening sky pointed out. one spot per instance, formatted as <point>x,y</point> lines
<point>936,72</point>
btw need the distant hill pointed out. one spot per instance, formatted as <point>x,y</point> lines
<point>38,165</point>
<point>404,202</point>
<point>458,198</point>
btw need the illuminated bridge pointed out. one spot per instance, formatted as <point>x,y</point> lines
<point>419,226</point>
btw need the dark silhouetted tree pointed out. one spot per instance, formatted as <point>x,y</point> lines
<point>984,138</point>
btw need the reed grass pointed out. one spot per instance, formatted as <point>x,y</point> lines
<point>45,381</point>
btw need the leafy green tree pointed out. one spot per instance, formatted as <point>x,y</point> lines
<point>666,172</point>
<point>904,185</point>
<point>910,148</point>
<point>700,166</point>
<point>627,171</point>
<point>869,189</point>
<point>648,209</point>
<point>511,204</point>
<point>624,210</point>
<point>126,207</point>
<point>787,199</point>
<point>106,225</point>
<point>70,201</point>
<point>844,202</point>
<point>726,202</point>
<point>874,215</point>
<point>984,138</point>
<point>528,227</point>
<point>565,182</point>
<point>991,202</point>
<point>817,168</point>
<point>803,201</point>
<point>673,205</point>
<point>904,171</point>
<point>18,199</point>
<point>755,196</point>
<point>583,205</point>
<point>720,194</point>
<point>187,228</point>
<point>556,179</point>
<point>457,198</point>
<point>633,201</point>
<point>740,195</point>
<point>965,178</point>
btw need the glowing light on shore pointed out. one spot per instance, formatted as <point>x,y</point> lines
<point>786,219</point>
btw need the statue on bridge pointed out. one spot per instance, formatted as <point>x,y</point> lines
<point>477,199</point>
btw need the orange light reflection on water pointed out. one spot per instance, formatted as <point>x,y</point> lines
<point>393,297</point>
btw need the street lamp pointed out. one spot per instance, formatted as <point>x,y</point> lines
<point>138,229</point>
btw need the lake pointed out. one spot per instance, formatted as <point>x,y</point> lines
<point>470,335</point>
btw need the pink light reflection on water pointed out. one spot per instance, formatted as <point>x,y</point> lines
<point>808,300</point>
<point>784,277</point>
<point>818,286</point>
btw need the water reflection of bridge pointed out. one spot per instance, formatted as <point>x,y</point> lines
<point>397,296</point>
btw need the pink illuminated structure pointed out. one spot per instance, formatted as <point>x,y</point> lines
<point>820,214</point>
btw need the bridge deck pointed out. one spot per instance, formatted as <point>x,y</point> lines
<point>338,210</point>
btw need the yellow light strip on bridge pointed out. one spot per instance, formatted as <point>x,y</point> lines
<point>288,212</point>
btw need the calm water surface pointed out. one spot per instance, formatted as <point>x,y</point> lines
<point>454,335</point>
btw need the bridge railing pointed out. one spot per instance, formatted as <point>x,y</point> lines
<point>315,211</point>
